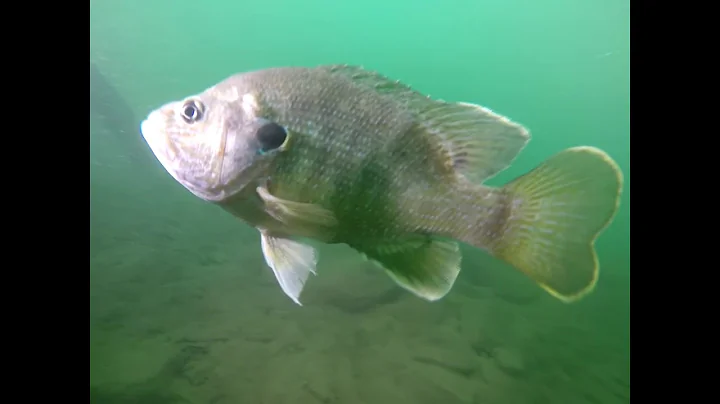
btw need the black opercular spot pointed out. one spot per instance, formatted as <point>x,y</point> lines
<point>192,111</point>
<point>271,136</point>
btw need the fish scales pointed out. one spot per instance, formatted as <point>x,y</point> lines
<point>354,157</point>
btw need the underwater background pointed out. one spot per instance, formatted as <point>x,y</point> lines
<point>182,306</point>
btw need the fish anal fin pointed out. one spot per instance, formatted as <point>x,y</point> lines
<point>425,266</point>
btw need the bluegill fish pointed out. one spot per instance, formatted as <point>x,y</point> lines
<point>340,154</point>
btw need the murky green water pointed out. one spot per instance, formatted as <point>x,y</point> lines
<point>182,308</point>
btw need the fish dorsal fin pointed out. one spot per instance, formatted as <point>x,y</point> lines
<point>423,265</point>
<point>478,142</point>
<point>376,81</point>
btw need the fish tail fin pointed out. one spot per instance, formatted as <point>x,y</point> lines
<point>553,215</point>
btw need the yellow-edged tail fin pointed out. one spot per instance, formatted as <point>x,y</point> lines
<point>556,212</point>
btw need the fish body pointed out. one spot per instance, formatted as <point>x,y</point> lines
<point>341,154</point>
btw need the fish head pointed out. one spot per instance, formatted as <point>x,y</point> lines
<point>215,143</point>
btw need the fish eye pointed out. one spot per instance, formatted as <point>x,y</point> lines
<point>192,111</point>
<point>271,136</point>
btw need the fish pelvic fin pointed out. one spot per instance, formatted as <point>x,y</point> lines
<point>553,216</point>
<point>421,264</point>
<point>291,262</point>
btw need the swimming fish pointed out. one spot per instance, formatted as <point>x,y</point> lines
<point>340,154</point>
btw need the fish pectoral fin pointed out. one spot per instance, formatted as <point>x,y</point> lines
<point>292,263</point>
<point>479,142</point>
<point>305,218</point>
<point>423,265</point>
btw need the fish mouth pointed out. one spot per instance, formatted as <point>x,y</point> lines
<point>152,132</point>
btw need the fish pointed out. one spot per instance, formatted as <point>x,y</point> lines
<point>340,154</point>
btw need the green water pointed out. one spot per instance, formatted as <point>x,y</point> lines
<point>182,308</point>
